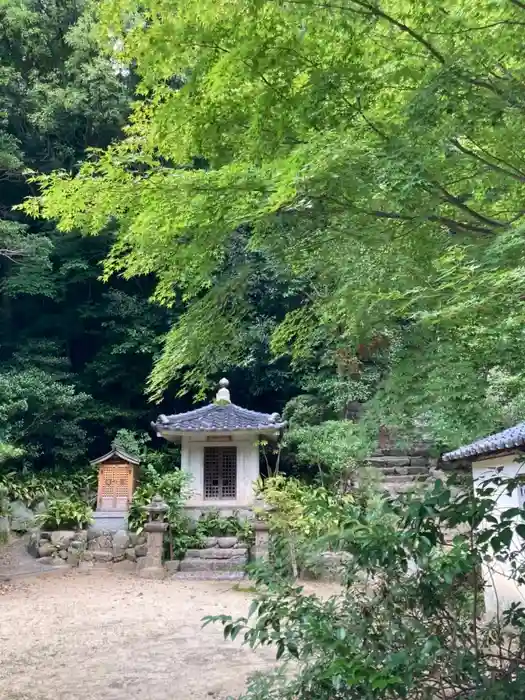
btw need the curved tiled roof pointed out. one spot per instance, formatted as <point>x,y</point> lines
<point>512,437</point>
<point>218,417</point>
<point>116,452</point>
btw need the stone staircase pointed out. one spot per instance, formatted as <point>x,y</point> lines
<point>223,558</point>
<point>399,473</point>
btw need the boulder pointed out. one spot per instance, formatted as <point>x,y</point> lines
<point>102,556</point>
<point>46,549</point>
<point>62,538</point>
<point>87,556</point>
<point>85,566</point>
<point>210,542</point>
<point>141,550</point>
<point>34,543</point>
<point>22,517</point>
<point>40,508</point>
<point>130,554</point>
<point>227,542</point>
<point>104,541</point>
<point>63,554</point>
<point>120,544</point>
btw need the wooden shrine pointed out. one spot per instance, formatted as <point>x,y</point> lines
<point>117,473</point>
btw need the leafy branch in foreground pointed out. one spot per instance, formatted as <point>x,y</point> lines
<point>409,621</point>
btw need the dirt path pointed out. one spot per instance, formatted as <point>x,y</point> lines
<point>104,636</point>
<point>15,561</point>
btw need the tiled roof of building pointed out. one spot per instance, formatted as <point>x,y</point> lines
<point>220,416</point>
<point>512,437</point>
<point>117,452</point>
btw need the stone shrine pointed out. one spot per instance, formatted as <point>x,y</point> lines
<point>220,451</point>
<point>116,482</point>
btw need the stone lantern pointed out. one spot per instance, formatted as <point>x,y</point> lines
<point>151,566</point>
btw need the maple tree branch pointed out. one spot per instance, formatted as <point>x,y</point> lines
<point>492,166</point>
<point>455,201</point>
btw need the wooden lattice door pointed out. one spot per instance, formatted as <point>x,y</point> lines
<point>115,486</point>
<point>220,472</point>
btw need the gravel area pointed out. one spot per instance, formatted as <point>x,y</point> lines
<point>107,636</point>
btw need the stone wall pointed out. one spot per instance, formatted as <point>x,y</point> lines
<point>87,549</point>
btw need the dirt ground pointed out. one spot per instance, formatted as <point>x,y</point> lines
<point>105,636</point>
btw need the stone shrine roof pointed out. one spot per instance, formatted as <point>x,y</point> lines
<point>222,416</point>
<point>512,437</point>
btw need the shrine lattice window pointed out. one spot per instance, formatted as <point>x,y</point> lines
<point>220,472</point>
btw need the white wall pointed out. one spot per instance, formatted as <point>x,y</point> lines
<point>500,589</point>
<point>192,462</point>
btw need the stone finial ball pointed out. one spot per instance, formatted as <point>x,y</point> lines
<point>224,383</point>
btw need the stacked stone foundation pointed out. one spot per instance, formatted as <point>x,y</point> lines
<point>89,549</point>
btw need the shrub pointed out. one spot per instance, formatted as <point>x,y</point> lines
<point>172,486</point>
<point>332,451</point>
<point>212,524</point>
<point>408,623</point>
<point>34,488</point>
<point>301,518</point>
<point>64,513</point>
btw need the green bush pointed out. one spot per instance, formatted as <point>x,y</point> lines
<point>34,488</point>
<point>172,486</point>
<point>64,513</point>
<point>408,623</point>
<point>212,524</point>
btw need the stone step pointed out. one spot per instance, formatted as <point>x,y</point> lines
<point>192,564</point>
<point>209,576</point>
<point>419,450</point>
<point>402,471</point>
<point>401,485</point>
<point>216,553</point>
<point>394,461</point>
<point>405,478</point>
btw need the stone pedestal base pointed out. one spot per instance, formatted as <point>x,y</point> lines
<point>262,538</point>
<point>151,566</point>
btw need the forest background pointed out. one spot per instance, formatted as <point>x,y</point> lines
<point>339,231</point>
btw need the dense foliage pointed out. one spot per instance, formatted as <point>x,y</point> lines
<point>75,350</point>
<point>408,621</point>
<point>64,513</point>
<point>371,153</point>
